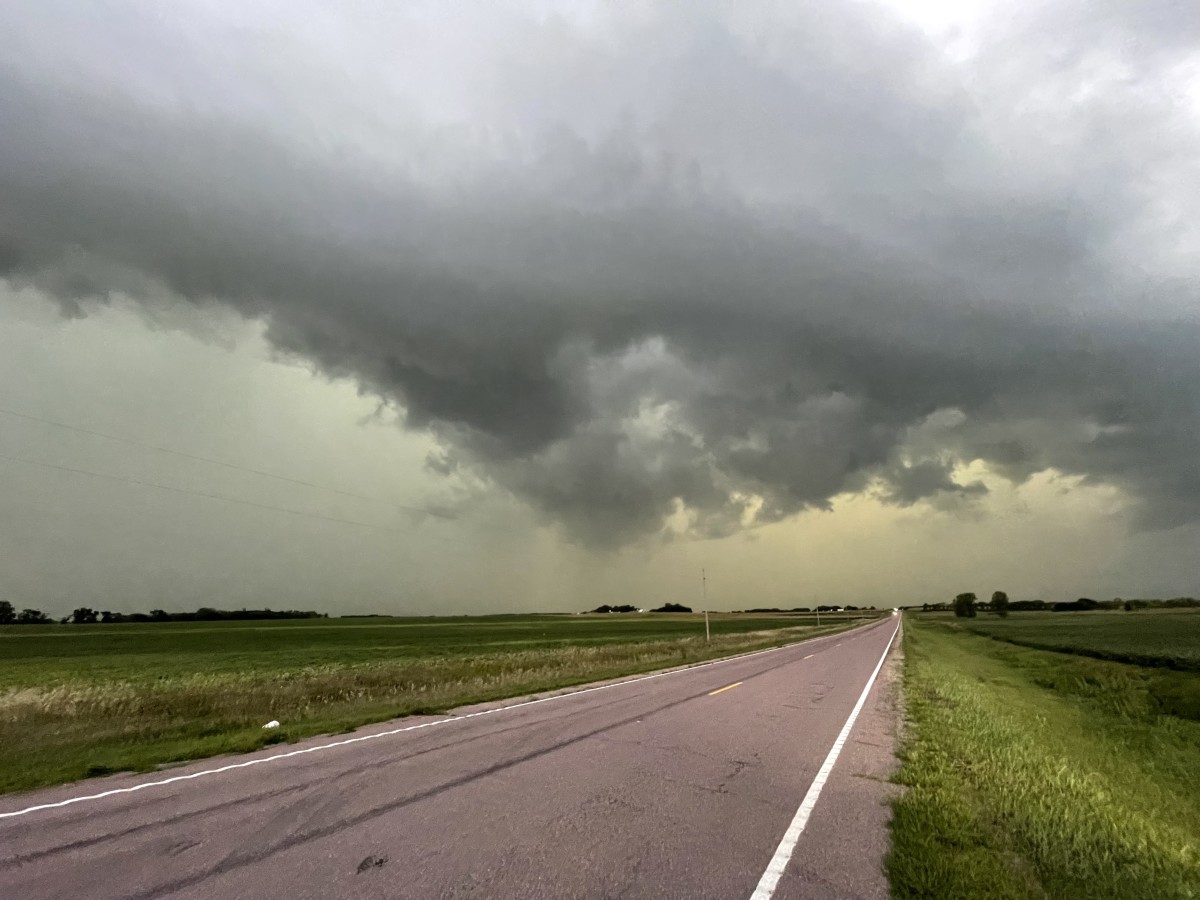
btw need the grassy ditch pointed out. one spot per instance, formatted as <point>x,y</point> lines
<point>77,701</point>
<point>1040,774</point>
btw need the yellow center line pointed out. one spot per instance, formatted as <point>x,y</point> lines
<point>727,687</point>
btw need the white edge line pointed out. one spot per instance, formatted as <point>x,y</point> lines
<point>783,853</point>
<point>382,734</point>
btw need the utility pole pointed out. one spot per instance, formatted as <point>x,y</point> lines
<point>704,597</point>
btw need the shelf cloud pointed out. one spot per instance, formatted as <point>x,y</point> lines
<point>691,266</point>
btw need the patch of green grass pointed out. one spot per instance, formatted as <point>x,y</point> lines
<point>1036,774</point>
<point>87,700</point>
<point>1169,638</point>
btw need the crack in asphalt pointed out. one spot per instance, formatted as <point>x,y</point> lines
<point>20,859</point>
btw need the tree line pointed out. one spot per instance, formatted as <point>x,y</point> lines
<point>85,615</point>
<point>626,608</point>
<point>805,609</point>
<point>967,605</point>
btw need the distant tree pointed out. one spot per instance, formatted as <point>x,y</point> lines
<point>1027,605</point>
<point>1000,603</point>
<point>1083,604</point>
<point>107,617</point>
<point>85,615</point>
<point>964,606</point>
<point>32,617</point>
<point>160,615</point>
<point>673,608</point>
<point>8,615</point>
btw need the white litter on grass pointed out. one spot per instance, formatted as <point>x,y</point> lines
<point>272,724</point>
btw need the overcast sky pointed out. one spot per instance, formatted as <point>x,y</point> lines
<point>456,307</point>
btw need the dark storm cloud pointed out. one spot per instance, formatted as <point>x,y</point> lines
<point>695,263</point>
<point>908,484</point>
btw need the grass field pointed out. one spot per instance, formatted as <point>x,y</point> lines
<point>1146,637</point>
<point>1040,774</point>
<point>92,699</point>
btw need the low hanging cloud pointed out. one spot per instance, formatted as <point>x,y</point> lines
<point>694,266</point>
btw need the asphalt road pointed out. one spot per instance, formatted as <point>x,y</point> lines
<point>676,786</point>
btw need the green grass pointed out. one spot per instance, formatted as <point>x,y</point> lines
<point>1040,774</point>
<point>1168,638</point>
<point>93,699</point>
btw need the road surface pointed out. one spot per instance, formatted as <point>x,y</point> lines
<point>687,784</point>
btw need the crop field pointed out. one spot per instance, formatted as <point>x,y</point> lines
<point>1168,638</point>
<point>79,700</point>
<point>1042,774</point>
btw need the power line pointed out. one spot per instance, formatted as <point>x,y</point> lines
<point>206,494</point>
<point>228,465</point>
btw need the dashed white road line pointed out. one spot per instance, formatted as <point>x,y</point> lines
<point>382,734</point>
<point>783,853</point>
